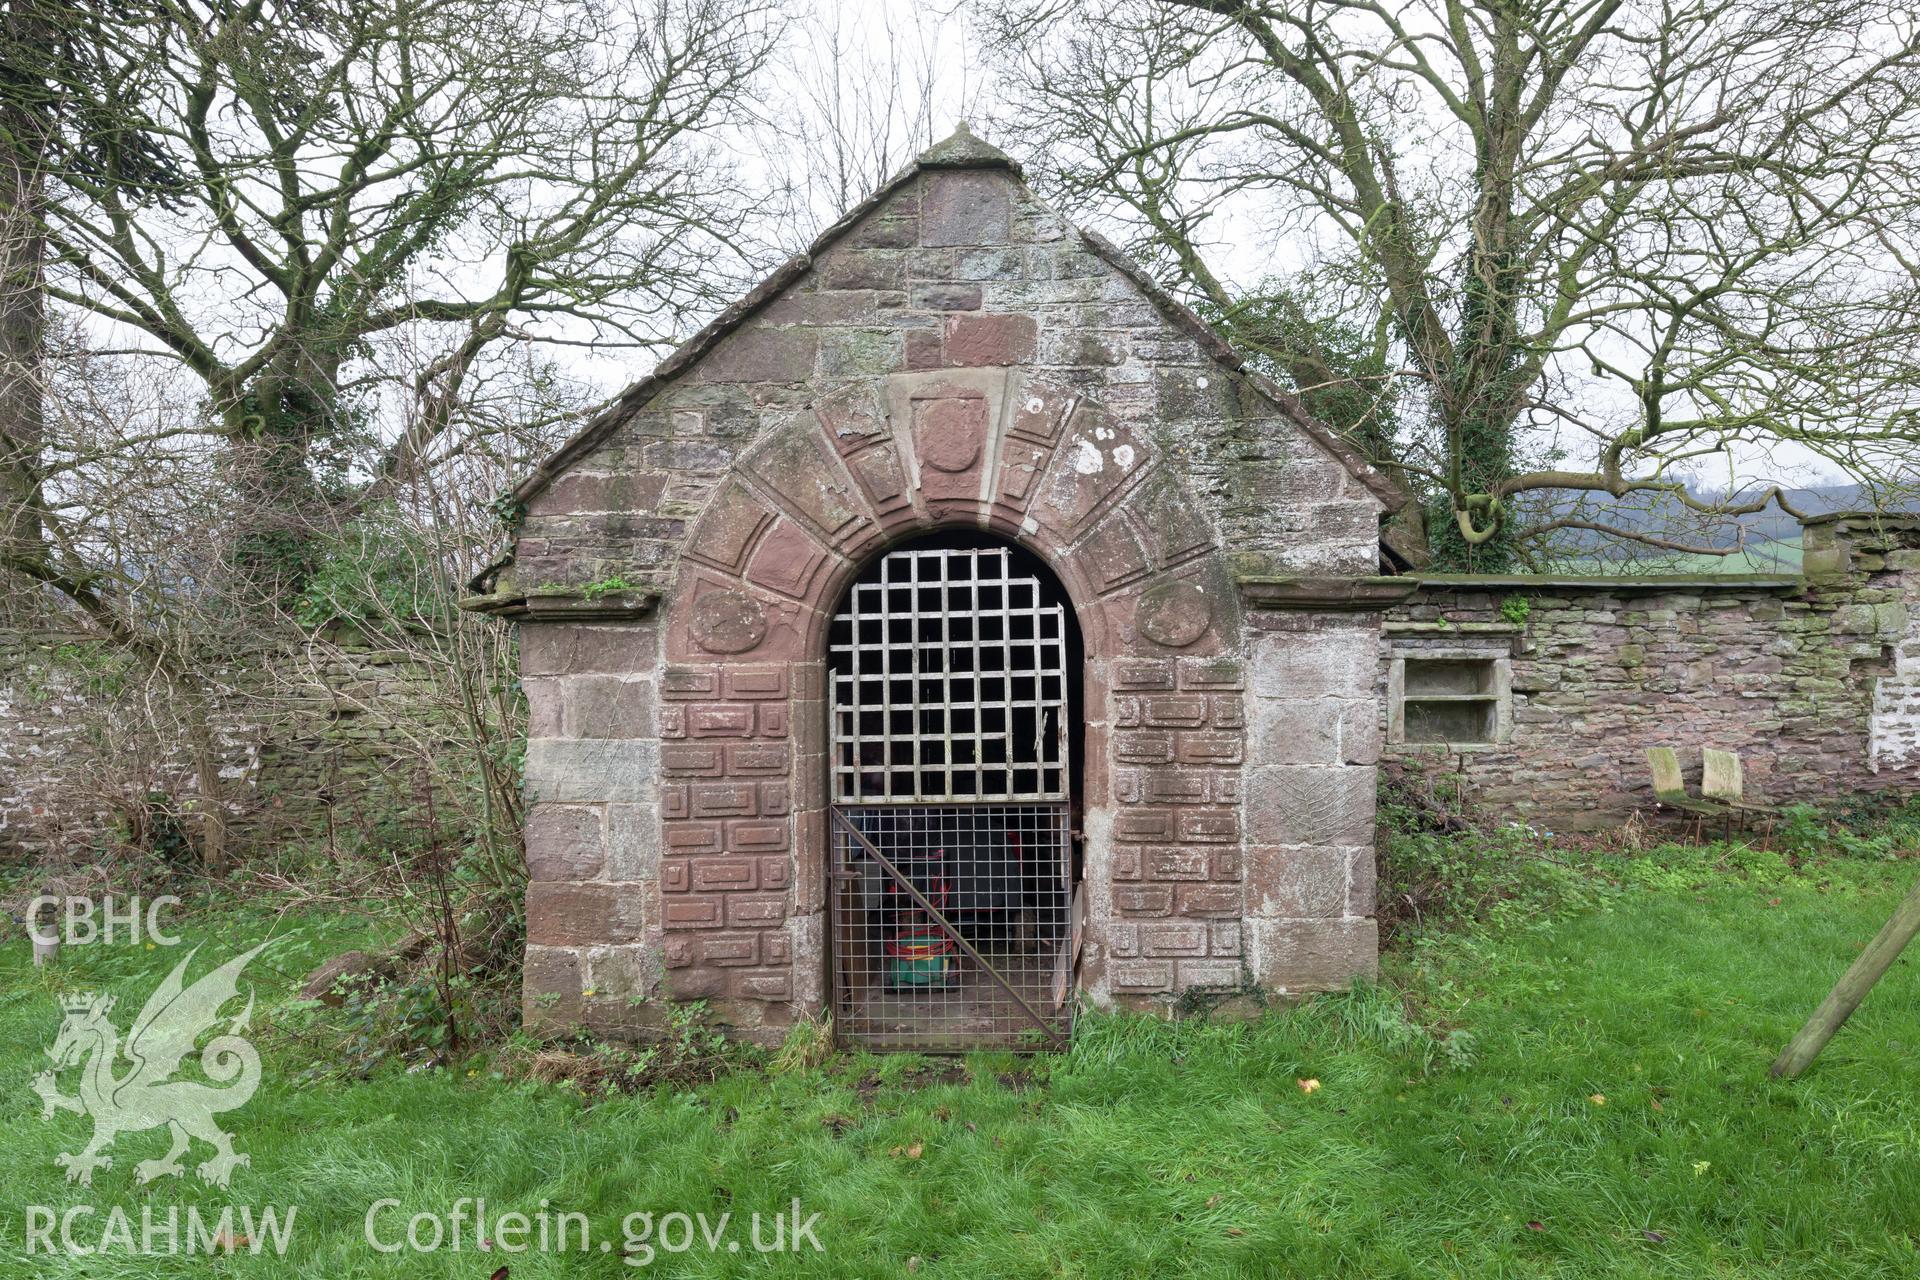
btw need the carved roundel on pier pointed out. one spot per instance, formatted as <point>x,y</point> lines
<point>1175,614</point>
<point>727,622</point>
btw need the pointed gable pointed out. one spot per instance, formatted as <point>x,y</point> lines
<point>953,267</point>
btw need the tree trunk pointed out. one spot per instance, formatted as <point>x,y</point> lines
<point>23,305</point>
<point>196,709</point>
<point>279,514</point>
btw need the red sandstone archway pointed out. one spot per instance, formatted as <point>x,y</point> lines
<point>953,672</point>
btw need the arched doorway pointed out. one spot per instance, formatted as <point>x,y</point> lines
<point>954,737</point>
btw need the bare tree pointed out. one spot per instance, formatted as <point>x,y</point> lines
<point>1600,245</point>
<point>467,171</point>
<point>294,257</point>
<point>866,87</point>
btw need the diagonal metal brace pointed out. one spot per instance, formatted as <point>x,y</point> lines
<point>921,900</point>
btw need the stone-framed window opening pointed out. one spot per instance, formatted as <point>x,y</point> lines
<point>1460,698</point>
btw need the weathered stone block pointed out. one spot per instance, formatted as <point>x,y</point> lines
<point>546,705</point>
<point>1298,881</point>
<point>566,913</point>
<point>1169,939</point>
<point>1136,977</point>
<point>621,491</point>
<point>862,269</point>
<point>550,990</point>
<point>633,842</point>
<point>1295,731</point>
<point>588,771</point>
<point>1311,955</point>
<point>606,706</point>
<point>562,648</point>
<point>1341,662</point>
<point>965,208</point>
<point>846,353</point>
<point>764,353</point>
<point>1143,899</point>
<point>565,842</point>
<point>1209,975</point>
<point>1208,900</point>
<point>984,339</point>
<point>620,973</point>
<point>946,297</point>
<point>1299,806</point>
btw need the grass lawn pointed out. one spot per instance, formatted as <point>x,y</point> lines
<point>1581,1092</point>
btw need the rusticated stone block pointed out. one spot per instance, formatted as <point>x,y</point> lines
<point>1165,711</point>
<point>692,760</point>
<point>1141,977</point>
<point>1173,939</point>
<point>1198,901</point>
<point>730,949</point>
<point>693,911</point>
<point>756,910</point>
<point>1175,864</point>
<point>725,800</point>
<point>1210,748</point>
<point>1206,826</point>
<point>1210,975</point>
<point>1150,675</point>
<point>770,985</point>
<point>1142,825</point>
<point>1143,748</point>
<point>1143,899</point>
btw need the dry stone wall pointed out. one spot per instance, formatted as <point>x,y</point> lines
<point>306,748</point>
<point>1814,681</point>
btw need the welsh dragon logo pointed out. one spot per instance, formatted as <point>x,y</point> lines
<point>144,1097</point>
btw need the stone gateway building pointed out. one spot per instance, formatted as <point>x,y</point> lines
<point>958,526</point>
<point>955,632</point>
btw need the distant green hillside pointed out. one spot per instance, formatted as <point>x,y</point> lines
<point>1768,557</point>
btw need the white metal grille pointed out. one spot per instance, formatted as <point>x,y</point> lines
<point>949,683</point>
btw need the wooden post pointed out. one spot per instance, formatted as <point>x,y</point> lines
<point>1852,988</point>
<point>44,928</point>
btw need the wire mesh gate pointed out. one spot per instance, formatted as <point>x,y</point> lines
<point>951,895</point>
